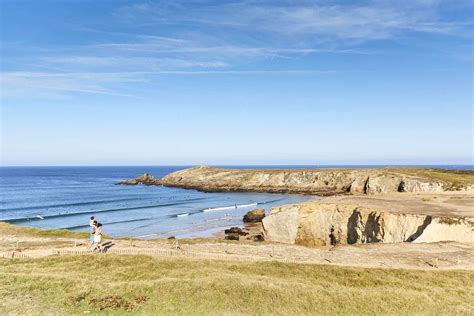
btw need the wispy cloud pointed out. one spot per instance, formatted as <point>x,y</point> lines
<point>25,84</point>
<point>128,62</point>
<point>220,51</point>
<point>330,20</point>
<point>214,38</point>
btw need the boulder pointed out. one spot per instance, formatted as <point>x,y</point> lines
<point>254,216</point>
<point>233,230</point>
<point>232,237</point>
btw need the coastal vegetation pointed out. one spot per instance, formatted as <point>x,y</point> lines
<point>120,284</point>
<point>14,230</point>
<point>455,179</point>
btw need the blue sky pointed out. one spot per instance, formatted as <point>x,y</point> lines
<point>236,82</point>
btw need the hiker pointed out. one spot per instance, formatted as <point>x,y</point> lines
<point>98,238</point>
<point>93,225</point>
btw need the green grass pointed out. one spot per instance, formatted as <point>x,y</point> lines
<point>146,285</point>
<point>23,231</point>
<point>10,229</point>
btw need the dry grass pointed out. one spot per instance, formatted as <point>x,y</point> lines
<point>455,179</point>
<point>146,285</point>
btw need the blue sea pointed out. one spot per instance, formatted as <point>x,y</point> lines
<point>66,197</point>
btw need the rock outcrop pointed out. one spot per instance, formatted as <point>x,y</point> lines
<point>234,233</point>
<point>254,216</point>
<point>146,179</point>
<point>306,181</point>
<point>318,224</point>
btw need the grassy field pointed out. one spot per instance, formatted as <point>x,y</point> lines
<point>146,285</point>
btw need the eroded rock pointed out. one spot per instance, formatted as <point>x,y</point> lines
<point>319,224</point>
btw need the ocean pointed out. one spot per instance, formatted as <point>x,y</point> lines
<point>66,197</point>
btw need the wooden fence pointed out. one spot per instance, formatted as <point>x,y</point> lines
<point>149,252</point>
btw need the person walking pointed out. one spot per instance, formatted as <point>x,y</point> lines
<point>92,224</point>
<point>98,238</point>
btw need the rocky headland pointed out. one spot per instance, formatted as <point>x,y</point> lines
<point>367,205</point>
<point>314,181</point>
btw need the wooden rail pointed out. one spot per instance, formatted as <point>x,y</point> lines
<point>14,255</point>
<point>149,252</point>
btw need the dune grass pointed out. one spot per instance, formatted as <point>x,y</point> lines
<point>146,285</point>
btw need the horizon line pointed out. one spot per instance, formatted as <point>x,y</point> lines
<point>249,165</point>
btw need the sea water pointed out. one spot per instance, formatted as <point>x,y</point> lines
<point>66,197</point>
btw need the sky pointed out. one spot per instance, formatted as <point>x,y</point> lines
<point>236,82</point>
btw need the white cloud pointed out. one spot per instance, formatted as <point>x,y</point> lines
<point>206,39</point>
<point>25,84</point>
<point>129,62</point>
<point>368,20</point>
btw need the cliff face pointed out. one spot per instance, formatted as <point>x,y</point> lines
<point>318,224</point>
<point>307,181</point>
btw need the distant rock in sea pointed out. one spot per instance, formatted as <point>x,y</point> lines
<point>146,179</point>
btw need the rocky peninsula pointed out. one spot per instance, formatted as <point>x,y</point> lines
<point>367,205</point>
<point>314,181</point>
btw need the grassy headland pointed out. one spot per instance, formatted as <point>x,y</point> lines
<point>331,181</point>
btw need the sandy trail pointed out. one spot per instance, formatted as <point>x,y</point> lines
<point>445,255</point>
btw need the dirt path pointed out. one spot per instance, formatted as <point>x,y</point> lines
<point>446,255</point>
